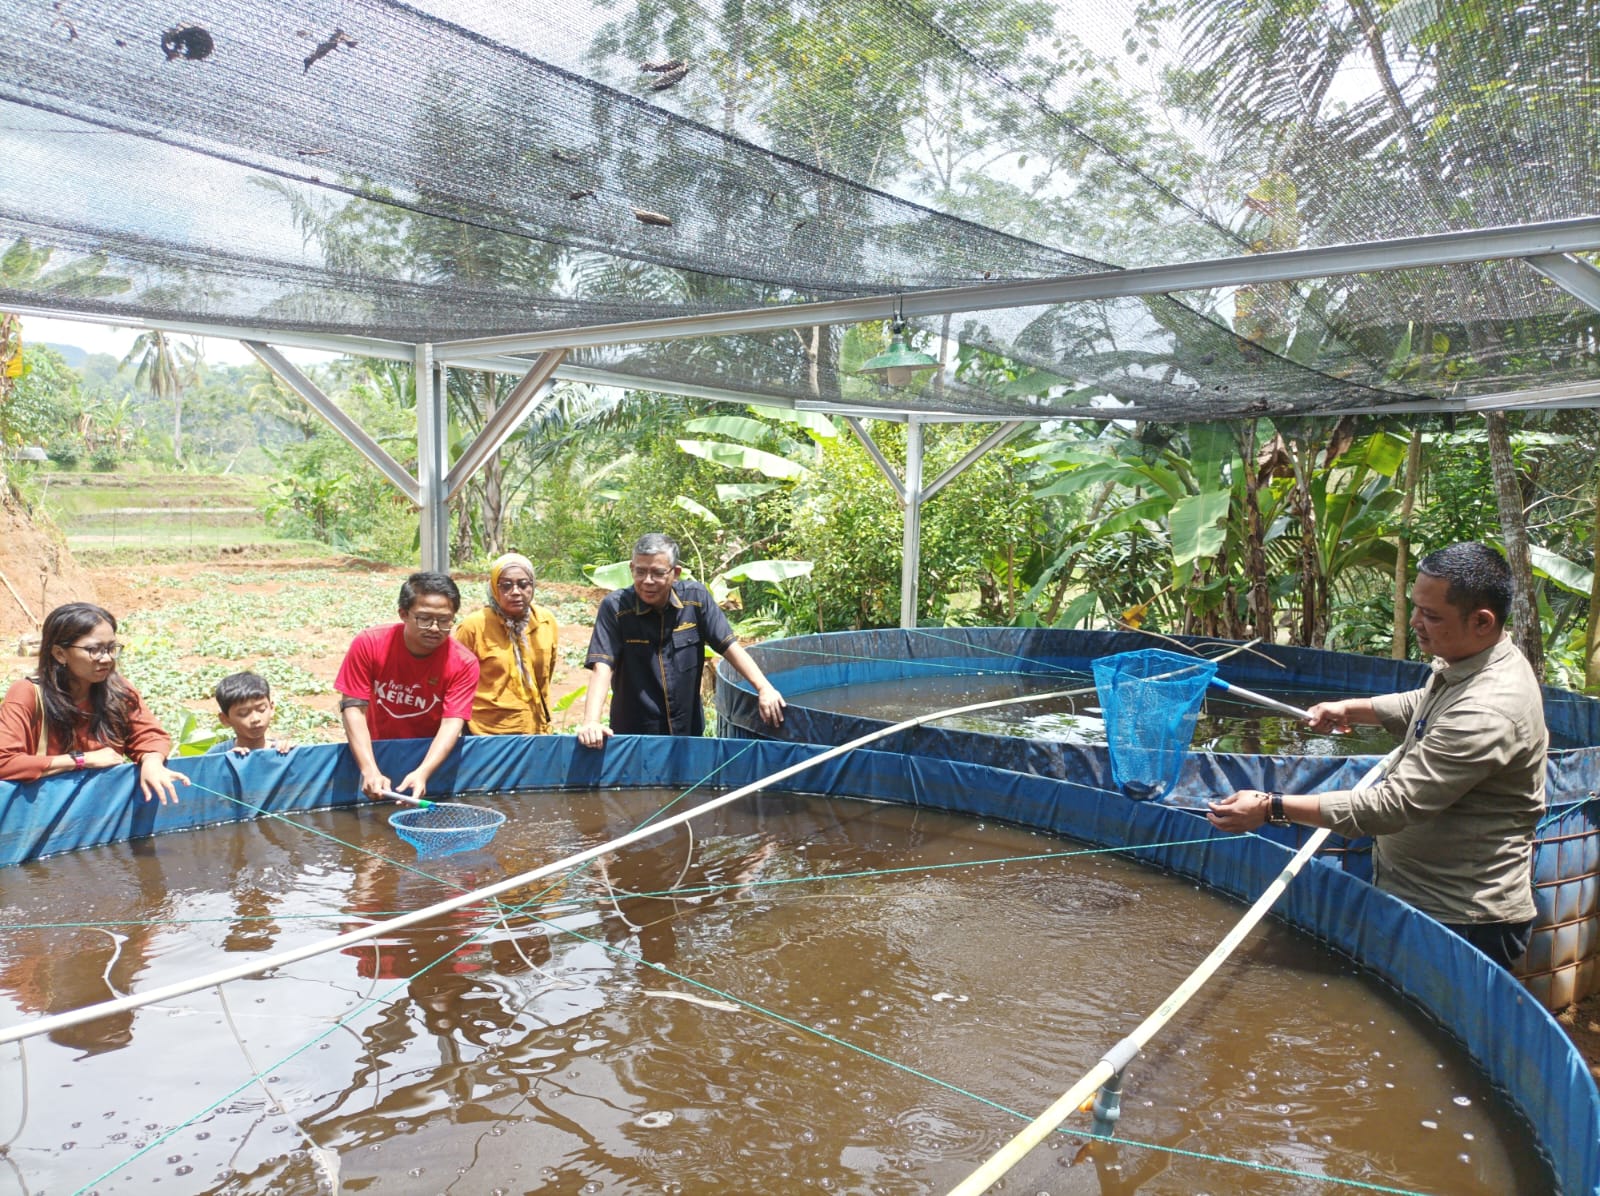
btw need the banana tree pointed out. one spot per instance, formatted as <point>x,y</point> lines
<point>1346,517</point>
<point>742,444</point>
<point>1151,522</point>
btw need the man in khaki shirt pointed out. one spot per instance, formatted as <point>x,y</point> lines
<point>1454,819</point>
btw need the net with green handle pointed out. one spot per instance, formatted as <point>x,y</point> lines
<point>446,828</point>
<point>1150,701</point>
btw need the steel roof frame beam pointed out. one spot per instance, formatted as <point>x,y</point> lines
<point>1573,275</point>
<point>1435,249</point>
<point>506,419</point>
<point>353,432</point>
<point>387,350</point>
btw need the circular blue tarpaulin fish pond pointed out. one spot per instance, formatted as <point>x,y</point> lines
<point>1518,1045</point>
<point>1563,960</point>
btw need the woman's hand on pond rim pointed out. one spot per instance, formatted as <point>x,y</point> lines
<point>157,780</point>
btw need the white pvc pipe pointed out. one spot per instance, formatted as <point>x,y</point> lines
<point>61,1021</point>
<point>1041,1127</point>
<point>1251,695</point>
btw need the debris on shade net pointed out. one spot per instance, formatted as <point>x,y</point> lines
<point>662,68</point>
<point>644,217</point>
<point>189,42</point>
<point>585,194</point>
<point>671,79</point>
<point>328,45</point>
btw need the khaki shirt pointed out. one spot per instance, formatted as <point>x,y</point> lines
<point>504,705</point>
<point>1454,820</point>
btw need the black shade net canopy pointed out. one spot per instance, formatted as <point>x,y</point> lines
<point>485,176</point>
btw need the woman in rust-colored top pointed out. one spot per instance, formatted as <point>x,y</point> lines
<point>77,713</point>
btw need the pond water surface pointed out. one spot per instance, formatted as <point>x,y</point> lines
<point>764,1029</point>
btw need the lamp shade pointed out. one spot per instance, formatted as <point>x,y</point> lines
<point>899,363</point>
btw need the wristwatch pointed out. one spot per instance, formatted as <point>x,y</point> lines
<point>1275,814</point>
<point>78,763</point>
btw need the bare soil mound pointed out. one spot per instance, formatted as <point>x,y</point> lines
<point>36,573</point>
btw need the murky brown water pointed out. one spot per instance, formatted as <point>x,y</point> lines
<point>1226,724</point>
<point>854,1031</point>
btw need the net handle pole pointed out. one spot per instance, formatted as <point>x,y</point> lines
<point>406,799</point>
<point>88,1013</point>
<point>1119,1056</point>
<point>1251,695</point>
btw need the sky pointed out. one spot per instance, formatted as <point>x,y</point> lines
<point>104,338</point>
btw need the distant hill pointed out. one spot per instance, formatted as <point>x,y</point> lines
<point>71,354</point>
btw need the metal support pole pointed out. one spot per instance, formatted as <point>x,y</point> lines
<point>993,440</point>
<point>1108,1107</point>
<point>1579,235</point>
<point>432,428</point>
<point>1572,274</point>
<point>911,544</point>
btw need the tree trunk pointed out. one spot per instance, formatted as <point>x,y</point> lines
<point>1525,628</point>
<point>461,544</point>
<point>1313,586</point>
<point>1402,562</point>
<point>1255,551</point>
<point>1591,644</point>
<point>177,425</point>
<point>494,497</point>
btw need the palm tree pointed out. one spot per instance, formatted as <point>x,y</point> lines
<point>164,367</point>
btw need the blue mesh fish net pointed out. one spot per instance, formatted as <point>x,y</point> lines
<point>446,828</point>
<point>1150,701</point>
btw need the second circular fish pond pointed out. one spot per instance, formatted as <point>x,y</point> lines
<point>844,685</point>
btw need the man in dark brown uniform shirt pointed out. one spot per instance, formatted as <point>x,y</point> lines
<point>1454,819</point>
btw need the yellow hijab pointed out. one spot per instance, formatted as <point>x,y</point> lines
<point>517,627</point>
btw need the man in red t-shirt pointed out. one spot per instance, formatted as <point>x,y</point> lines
<point>409,680</point>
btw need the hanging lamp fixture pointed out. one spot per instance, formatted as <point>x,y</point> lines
<point>899,364</point>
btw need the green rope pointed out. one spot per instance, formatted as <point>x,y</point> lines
<point>753,1007</point>
<point>339,1024</point>
<point>906,1068</point>
<point>963,670</point>
<point>332,838</point>
<point>506,912</point>
<point>656,894</point>
<point>867,874</point>
<point>1557,814</point>
<point>1052,670</point>
<point>375,1000</point>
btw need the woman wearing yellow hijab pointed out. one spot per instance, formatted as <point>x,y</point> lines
<point>515,643</point>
